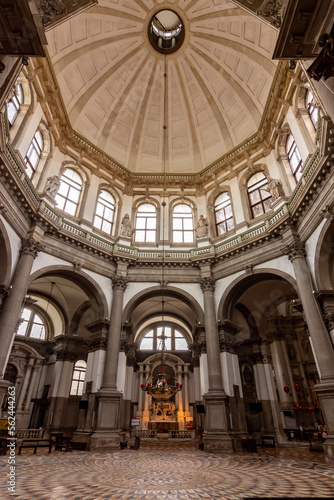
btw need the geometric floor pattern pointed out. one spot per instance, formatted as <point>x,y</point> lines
<point>166,472</point>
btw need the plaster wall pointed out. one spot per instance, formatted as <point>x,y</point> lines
<point>303,147</point>
<point>230,372</point>
<point>133,289</point>
<point>280,264</point>
<point>15,244</point>
<point>311,247</point>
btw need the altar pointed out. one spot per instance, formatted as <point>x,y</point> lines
<point>163,426</point>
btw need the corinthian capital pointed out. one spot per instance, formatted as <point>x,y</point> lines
<point>295,249</point>
<point>118,282</point>
<point>30,247</point>
<point>207,284</point>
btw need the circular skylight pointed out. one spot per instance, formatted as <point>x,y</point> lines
<point>166,31</point>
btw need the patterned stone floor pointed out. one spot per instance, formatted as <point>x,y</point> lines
<point>169,472</point>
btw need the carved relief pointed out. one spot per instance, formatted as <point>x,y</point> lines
<point>272,11</point>
<point>50,9</point>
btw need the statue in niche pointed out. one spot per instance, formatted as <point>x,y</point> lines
<point>274,188</point>
<point>126,227</point>
<point>202,227</point>
<point>52,186</point>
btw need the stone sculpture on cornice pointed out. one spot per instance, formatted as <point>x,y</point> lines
<point>51,8</point>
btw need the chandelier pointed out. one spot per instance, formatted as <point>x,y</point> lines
<point>162,390</point>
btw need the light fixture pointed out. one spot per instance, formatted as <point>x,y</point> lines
<point>162,390</point>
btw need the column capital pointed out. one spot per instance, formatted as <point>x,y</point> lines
<point>30,247</point>
<point>97,344</point>
<point>119,283</point>
<point>295,250</point>
<point>207,284</point>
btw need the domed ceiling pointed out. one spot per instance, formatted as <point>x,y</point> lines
<point>120,92</point>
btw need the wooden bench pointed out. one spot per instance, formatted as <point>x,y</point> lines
<point>35,443</point>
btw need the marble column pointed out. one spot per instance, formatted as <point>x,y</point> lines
<point>107,433</point>
<point>216,425</point>
<point>12,307</point>
<point>320,340</point>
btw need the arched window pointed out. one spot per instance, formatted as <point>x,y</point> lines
<point>223,213</point>
<point>258,194</point>
<point>34,154</point>
<point>78,378</point>
<point>294,157</point>
<point>104,213</point>
<point>14,103</point>
<point>174,340</point>
<point>69,191</point>
<point>183,226</point>
<point>31,325</point>
<point>313,111</point>
<point>146,223</point>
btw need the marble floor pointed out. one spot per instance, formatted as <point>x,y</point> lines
<point>169,472</point>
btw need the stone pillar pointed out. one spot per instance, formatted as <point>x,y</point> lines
<point>140,391</point>
<point>231,376</point>
<point>107,433</point>
<point>94,372</point>
<point>321,344</point>
<point>216,401</point>
<point>12,307</point>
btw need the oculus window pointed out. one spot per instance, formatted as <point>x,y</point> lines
<point>69,191</point>
<point>183,226</point>
<point>223,214</point>
<point>146,223</point>
<point>166,31</point>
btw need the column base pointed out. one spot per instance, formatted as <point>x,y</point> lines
<point>215,442</point>
<point>325,393</point>
<point>4,384</point>
<point>329,449</point>
<point>216,429</point>
<point>107,434</point>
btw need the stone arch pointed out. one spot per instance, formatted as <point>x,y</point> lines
<point>6,256</point>
<point>155,291</point>
<point>92,289</point>
<point>324,258</point>
<point>234,291</point>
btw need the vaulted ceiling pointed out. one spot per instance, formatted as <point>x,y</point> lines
<point>116,95</point>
